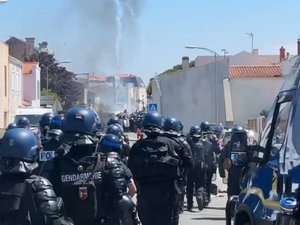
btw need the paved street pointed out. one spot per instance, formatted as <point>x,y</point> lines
<point>213,215</point>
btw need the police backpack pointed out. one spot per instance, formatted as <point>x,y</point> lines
<point>152,160</point>
<point>198,148</point>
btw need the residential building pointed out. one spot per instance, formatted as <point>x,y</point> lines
<point>4,86</point>
<point>24,51</point>
<point>252,90</point>
<point>15,90</point>
<point>32,83</point>
<point>117,93</point>
<point>246,58</point>
<point>229,90</point>
<point>137,93</point>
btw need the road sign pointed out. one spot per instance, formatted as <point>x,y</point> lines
<point>152,107</point>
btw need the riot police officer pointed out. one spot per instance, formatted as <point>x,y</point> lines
<point>172,128</point>
<point>23,122</point>
<point>44,125</point>
<point>77,175</point>
<point>154,164</point>
<point>213,150</point>
<point>234,172</point>
<point>25,198</point>
<point>55,126</point>
<point>52,141</point>
<point>119,206</point>
<point>197,175</point>
<point>113,120</point>
<point>119,132</point>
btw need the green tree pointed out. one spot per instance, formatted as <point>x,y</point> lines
<point>60,81</point>
<point>174,69</point>
<point>149,87</point>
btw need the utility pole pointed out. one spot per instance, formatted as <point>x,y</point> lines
<point>225,52</point>
<point>252,37</point>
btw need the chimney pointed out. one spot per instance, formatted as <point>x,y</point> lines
<point>185,62</point>
<point>255,51</point>
<point>298,44</point>
<point>281,53</point>
<point>43,47</point>
<point>29,48</point>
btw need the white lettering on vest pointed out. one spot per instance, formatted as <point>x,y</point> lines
<point>65,178</point>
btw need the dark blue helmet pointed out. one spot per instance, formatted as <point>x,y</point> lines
<point>80,120</point>
<point>109,143</point>
<point>238,129</point>
<point>115,130</point>
<point>113,120</point>
<point>55,127</point>
<point>172,124</point>
<point>153,119</point>
<point>56,122</point>
<point>195,131</point>
<point>204,126</point>
<point>45,120</point>
<point>11,126</point>
<point>19,143</point>
<point>23,122</point>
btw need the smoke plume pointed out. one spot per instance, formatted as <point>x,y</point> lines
<point>107,32</point>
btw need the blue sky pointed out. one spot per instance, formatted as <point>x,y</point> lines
<point>150,35</point>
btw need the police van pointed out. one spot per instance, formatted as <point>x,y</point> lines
<point>271,181</point>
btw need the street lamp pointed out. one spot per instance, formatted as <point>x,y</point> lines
<point>47,69</point>
<point>216,90</point>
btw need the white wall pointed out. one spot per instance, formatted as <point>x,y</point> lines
<point>252,95</point>
<point>189,94</point>
<point>30,85</point>
<point>15,93</point>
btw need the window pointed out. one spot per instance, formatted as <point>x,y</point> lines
<point>281,124</point>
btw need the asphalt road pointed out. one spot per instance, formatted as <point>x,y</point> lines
<point>214,214</point>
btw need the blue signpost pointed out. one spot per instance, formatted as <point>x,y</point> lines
<point>152,107</point>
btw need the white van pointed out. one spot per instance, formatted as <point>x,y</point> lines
<point>33,114</point>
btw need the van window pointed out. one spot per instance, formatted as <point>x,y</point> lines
<point>281,124</point>
<point>33,119</point>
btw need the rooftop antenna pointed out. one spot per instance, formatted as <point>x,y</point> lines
<point>251,35</point>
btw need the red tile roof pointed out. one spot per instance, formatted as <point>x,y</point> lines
<point>255,71</point>
<point>125,75</point>
<point>98,78</point>
<point>28,66</point>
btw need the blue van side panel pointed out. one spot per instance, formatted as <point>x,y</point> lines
<point>258,194</point>
<point>263,180</point>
